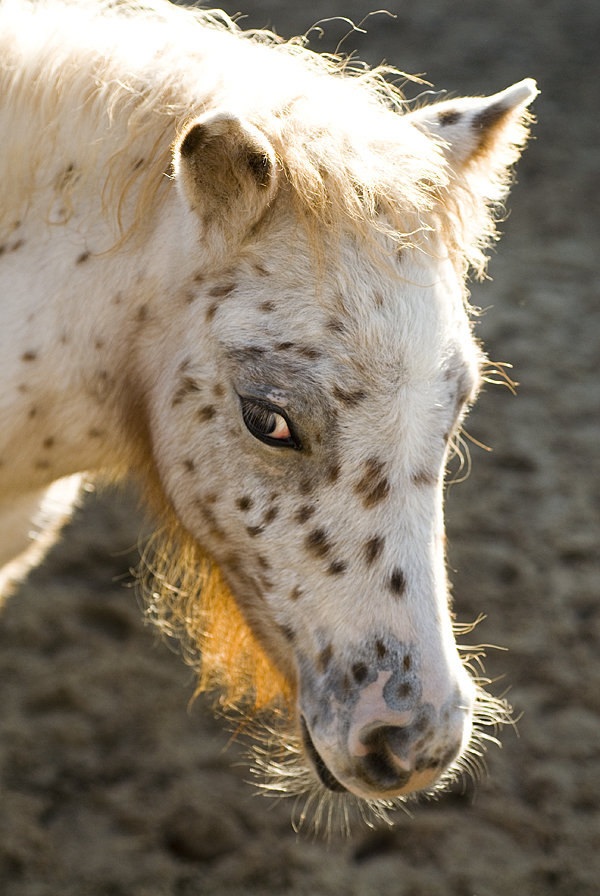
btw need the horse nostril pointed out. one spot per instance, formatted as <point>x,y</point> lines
<point>383,764</point>
<point>379,769</point>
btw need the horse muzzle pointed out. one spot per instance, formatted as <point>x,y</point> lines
<point>376,748</point>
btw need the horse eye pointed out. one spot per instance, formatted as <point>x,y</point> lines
<point>266,424</point>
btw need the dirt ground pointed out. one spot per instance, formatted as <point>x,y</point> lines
<point>111,784</point>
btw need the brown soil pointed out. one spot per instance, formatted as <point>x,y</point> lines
<point>112,784</point>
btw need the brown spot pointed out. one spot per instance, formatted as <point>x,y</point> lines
<point>373,549</point>
<point>42,464</point>
<point>318,543</point>
<point>187,386</point>
<point>83,257</point>
<point>263,562</point>
<point>270,515</point>
<point>234,563</point>
<point>17,245</point>
<point>296,593</point>
<point>308,351</point>
<point>337,568</point>
<point>304,513</point>
<point>324,658</point>
<point>253,531</point>
<point>98,344</point>
<point>67,175</point>
<point>381,649</point>
<point>189,465</point>
<point>211,311</point>
<point>284,346</point>
<point>138,164</point>
<point>207,413</point>
<point>306,485</point>
<point>221,290</point>
<point>349,397</point>
<point>142,314</point>
<point>249,354</point>
<point>407,663</point>
<point>359,672</point>
<point>245,502</point>
<point>2,250</point>
<point>378,300</point>
<point>398,582</point>
<point>288,633</point>
<point>218,390</point>
<point>333,473</point>
<point>32,412</point>
<point>48,442</point>
<point>211,498</point>
<point>261,270</point>
<point>449,116</point>
<point>94,433</point>
<point>29,356</point>
<point>334,325</point>
<point>210,518</point>
<point>374,486</point>
<point>424,478</point>
<point>267,307</point>
<point>198,277</point>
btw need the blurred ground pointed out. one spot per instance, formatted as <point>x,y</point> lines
<point>111,785</point>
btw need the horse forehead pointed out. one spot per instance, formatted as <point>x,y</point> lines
<point>371,306</point>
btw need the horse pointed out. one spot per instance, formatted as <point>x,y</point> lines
<point>236,270</point>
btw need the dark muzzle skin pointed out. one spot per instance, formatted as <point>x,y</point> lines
<point>324,775</point>
<point>380,736</point>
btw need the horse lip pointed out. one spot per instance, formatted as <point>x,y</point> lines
<point>325,776</point>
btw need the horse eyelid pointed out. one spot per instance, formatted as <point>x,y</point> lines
<point>291,442</point>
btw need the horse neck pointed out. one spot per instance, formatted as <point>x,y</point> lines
<point>75,320</point>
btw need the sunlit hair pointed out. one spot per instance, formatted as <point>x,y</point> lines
<point>138,72</point>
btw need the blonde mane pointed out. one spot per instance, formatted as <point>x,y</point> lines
<point>347,159</point>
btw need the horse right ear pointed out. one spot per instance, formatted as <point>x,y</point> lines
<point>227,172</point>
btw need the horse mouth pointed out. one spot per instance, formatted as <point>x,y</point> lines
<point>325,776</point>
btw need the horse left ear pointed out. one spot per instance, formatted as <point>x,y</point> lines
<point>480,129</point>
<point>227,171</point>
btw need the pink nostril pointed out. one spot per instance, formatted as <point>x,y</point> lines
<point>392,754</point>
<point>383,764</point>
<point>380,766</point>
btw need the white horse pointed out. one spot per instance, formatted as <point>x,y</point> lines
<point>236,270</point>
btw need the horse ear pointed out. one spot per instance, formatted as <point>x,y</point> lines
<point>227,171</point>
<point>487,130</point>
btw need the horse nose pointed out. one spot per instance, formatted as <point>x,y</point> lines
<point>403,758</point>
<point>400,752</point>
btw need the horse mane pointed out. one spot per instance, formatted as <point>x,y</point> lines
<point>350,163</point>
